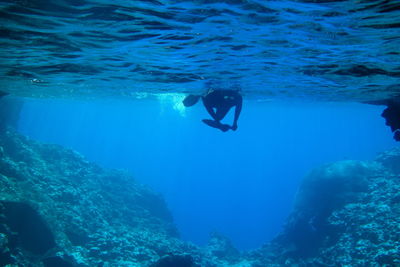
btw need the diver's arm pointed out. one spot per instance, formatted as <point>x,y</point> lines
<point>238,109</point>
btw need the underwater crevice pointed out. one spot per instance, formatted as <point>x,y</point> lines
<point>32,233</point>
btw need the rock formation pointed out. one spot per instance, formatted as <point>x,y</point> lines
<point>346,214</point>
<point>55,206</point>
<point>57,209</point>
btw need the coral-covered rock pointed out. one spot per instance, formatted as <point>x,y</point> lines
<point>220,246</point>
<point>26,226</point>
<point>391,159</point>
<point>346,213</point>
<point>57,209</point>
<point>323,191</point>
<point>53,201</point>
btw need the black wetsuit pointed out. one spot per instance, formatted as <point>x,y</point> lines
<point>218,103</point>
<point>392,116</point>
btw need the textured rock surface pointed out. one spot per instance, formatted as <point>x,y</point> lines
<point>346,214</point>
<point>57,209</point>
<point>391,159</point>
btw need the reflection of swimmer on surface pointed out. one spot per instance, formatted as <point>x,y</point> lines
<point>218,103</point>
<point>392,116</point>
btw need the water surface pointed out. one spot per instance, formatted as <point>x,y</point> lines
<point>330,50</point>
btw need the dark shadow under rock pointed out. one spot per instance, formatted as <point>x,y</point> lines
<point>5,255</point>
<point>32,232</point>
<point>56,262</point>
<point>175,261</point>
<point>155,204</point>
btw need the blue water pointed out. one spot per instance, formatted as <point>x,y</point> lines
<point>241,183</point>
<point>106,78</point>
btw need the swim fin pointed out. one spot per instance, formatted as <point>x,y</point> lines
<point>190,100</point>
<point>216,124</point>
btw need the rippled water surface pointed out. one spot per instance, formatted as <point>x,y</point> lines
<point>323,50</point>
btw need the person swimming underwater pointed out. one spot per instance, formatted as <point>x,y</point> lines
<point>218,102</point>
<point>392,117</point>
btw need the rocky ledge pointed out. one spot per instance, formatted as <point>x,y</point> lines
<point>57,209</point>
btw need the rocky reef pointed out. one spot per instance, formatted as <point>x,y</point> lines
<point>346,214</point>
<point>56,206</point>
<point>58,209</point>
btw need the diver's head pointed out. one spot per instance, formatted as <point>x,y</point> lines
<point>190,100</point>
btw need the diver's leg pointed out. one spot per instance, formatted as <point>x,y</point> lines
<point>209,109</point>
<point>221,112</point>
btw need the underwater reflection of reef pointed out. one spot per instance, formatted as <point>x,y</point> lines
<point>78,214</point>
